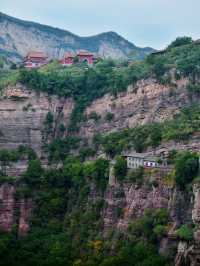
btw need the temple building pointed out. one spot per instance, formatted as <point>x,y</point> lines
<point>35,60</point>
<point>68,59</point>
<point>85,56</point>
<point>81,56</point>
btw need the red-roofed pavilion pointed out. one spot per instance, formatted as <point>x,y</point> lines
<point>85,56</point>
<point>35,59</point>
<point>68,59</point>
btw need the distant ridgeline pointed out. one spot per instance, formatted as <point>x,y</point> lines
<point>18,37</point>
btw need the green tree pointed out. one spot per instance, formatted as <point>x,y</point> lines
<point>120,168</point>
<point>109,117</point>
<point>160,67</point>
<point>5,158</point>
<point>155,135</point>
<point>186,167</point>
<point>136,176</point>
<point>34,172</point>
<point>185,232</point>
<point>49,122</point>
<point>180,41</point>
<point>73,170</point>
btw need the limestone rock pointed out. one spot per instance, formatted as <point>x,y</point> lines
<point>196,208</point>
<point>22,116</point>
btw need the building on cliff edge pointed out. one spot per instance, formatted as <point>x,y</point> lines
<point>136,160</point>
<point>35,60</point>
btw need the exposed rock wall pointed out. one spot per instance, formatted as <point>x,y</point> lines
<point>14,211</point>
<point>22,112</point>
<point>146,102</point>
<point>188,253</point>
<point>7,207</point>
<point>25,210</point>
<point>134,199</point>
<point>22,116</point>
<point>192,253</point>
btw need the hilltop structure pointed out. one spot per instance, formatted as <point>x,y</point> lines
<point>85,56</point>
<point>35,59</point>
<point>68,59</point>
<point>82,56</point>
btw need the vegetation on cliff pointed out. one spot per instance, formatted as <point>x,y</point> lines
<point>84,84</point>
<point>182,127</point>
<point>67,225</point>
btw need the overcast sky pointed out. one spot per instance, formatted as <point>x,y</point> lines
<point>152,23</point>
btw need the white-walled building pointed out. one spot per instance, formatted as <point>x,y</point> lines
<point>136,160</point>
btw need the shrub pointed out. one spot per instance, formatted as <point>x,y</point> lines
<point>59,148</point>
<point>120,168</point>
<point>98,171</point>
<point>109,117</point>
<point>186,167</point>
<point>34,173</point>
<point>180,41</point>
<point>94,116</point>
<point>86,152</point>
<point>73,170</point>
<point>62,128</point>
<point>6,157</point>
<point>185,232</point>
<point>136,176</point>
<point>160,230</point>
<point>193,88</point>
<point>49,119</point>
<point>160,67</point>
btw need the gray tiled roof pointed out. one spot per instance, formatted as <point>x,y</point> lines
<point>136,155</point>
<point>141,156</point>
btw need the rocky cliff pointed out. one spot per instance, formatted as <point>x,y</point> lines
<point>189,254</point>
<point>14,211</point>
<point>22,122</point>
<point>146,102</point>
<point>18,37</point>
<point>23,113</point>
<point>124,203</point>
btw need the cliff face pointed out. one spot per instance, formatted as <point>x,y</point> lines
<point>7,207</point>
<point>190,253</point>
<point>23,112</point>
<point>14,211</point>
<point>134,199</point>
<point>124,203</point>
<point>22,117</point>
<point>146,102</point>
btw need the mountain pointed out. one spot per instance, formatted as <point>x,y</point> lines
<point>69,195</point>
<point>17,37</point>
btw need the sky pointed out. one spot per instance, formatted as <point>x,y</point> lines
<point>153,23</point>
